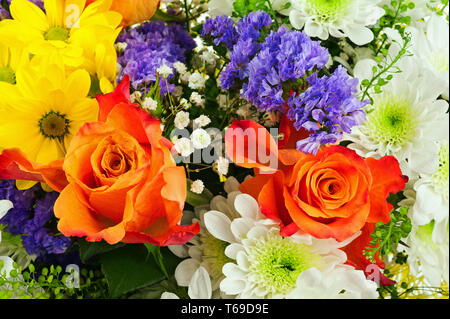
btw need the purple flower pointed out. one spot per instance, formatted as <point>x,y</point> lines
<point>221,29</point>
<point>326,109</point>
<point>30,218</point>
<point>149,46</point>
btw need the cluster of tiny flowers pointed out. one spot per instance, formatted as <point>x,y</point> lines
<point>222,30</point>
<point>327,109</point>
<point>151,46</point>
<point>32,211</point>
<point>284,57</point>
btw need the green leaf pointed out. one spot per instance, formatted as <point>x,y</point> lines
<point>155,251</point>
<point>197,199</point>
<point>160,15</point>
<point>128,268</point>
<point>88,250</point>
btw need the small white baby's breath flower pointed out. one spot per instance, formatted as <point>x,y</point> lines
<point>197,99</point>
<point>149,104</point>
<point>196,81</point>
<point>200,138</point>
<point>222,165</point>
<point>180,67</point>
<point>182,120</point>
<point>202,121</point>
<point>197,187</point>
<point>164,70</point>
<point>184,146</point>
<point>185,103</point>
<point>185,77</point>
<point>135,96</point>
<point>208,57</point>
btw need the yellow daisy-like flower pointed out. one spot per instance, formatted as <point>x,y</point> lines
<point>47,108</point>
<point>63,33</point>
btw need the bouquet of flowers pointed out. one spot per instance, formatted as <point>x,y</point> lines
<point>221,149</point>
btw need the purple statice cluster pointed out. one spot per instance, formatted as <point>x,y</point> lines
<point>326,109</point>
<point>278,71</point>
<point>148,47</point>
<point>31,218</point>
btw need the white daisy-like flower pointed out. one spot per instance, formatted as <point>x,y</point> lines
<point>205,250</point>
<point>338,18</point>
<point>426,256</point>
<point>164,70</point>
<point>181,120</point>
<point>432,193</point>
<point>405,120</point>
<point>266,265</point>
<point>196,81</point>
<point>180,67</point>
<point>430,44</point>
<point>197,99</point>
<point>200,138</point>
<point>202,121</point>
<point>199,286</point>
<point>149,104</point>
<point>184,146</point>
<point>197,186</point>
<point>6,263</point>
<point>208,57</point>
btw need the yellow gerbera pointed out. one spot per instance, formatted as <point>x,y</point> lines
<point>63,32</point>
<point>47,109</point>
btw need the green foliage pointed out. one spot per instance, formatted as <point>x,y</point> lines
<point>385,237</point>
<point>128,268</point>
<point>51,283</point>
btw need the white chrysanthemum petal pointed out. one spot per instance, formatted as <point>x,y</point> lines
<point>169,295</point>
<point>5,206</point>
<point>200,285</point>
<point>241,226</point>
<point>247,206</point>
<point>185,270</point>
<point>233,249</point>
<point>232,286</point>
<point>218,224</point>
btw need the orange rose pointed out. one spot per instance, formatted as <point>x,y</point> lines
<point>124,185</point>
<point>133,11</point>
<point>331,194</point>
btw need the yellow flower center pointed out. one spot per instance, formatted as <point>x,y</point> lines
<point>7,75</point>
<point>54,125</point>
<point>57,34</point>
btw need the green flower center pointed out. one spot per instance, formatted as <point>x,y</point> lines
<point>7,75</point>
<point>392,121</point>
<point>276,263</point>
<point>441,176</point>
<point>424,233</point>
<point>57,34</point>
<point>328,10</point>
<point>54,125</point>
<point>214,257</point>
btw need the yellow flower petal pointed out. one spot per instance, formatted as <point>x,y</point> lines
<point>55,11</point>
<point>29,14</point>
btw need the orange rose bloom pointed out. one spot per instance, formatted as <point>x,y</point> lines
<point>133,11</point>
<point>329,195</point>
<point>124,185</point>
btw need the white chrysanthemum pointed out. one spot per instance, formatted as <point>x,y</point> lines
<point>432,193</point>
<point>202,121</point>
<point>426,256</point>
<point>164,70</point>
<point>199,286</point>
<point>338,18</point>
<point>196,81</point>
<point>184,146</point>
<point>204,249</point>
<point>149,104</point>
<point>135,96</point>
<point>266,265</point>
<point>197,186</point>
<point>181,120</point>
<point>200,138</point>
<point>6,263</point>
<point>180,67</point>
<point>430,44</point>
<point>405,120</point>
